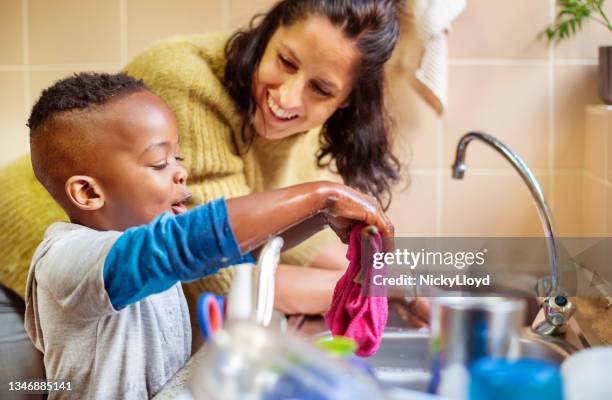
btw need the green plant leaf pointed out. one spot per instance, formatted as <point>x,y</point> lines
<point>570,18</point>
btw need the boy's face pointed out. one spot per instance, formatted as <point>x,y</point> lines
<point>137,161</point>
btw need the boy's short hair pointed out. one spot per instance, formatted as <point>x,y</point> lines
<point>58,124</point>
<point>80,91</point>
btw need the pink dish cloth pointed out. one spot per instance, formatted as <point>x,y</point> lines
<point>362,318</point>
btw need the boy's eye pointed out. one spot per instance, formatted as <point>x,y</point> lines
<point>160,166</point>
<point>179,158</point>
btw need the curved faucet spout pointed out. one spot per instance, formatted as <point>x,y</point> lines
<point>531,182</point>
<point>559,302</point>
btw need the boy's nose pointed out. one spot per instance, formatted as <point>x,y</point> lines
<point>180,176</point>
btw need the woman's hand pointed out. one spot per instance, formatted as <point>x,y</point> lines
<point>345,206</point>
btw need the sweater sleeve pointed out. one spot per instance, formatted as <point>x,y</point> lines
<point>27,211</point>
<point>151,258</point>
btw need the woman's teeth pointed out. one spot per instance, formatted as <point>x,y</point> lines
<point>279,112</point>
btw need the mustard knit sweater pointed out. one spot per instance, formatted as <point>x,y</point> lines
<point>186,72</point>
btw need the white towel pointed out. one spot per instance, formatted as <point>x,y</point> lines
<point>432,20</point>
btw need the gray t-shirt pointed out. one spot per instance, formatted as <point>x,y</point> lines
<point>104,353</point>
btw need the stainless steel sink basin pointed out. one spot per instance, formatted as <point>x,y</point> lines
<point>402,359</point>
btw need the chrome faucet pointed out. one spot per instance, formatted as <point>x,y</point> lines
<point>251,295</point>
<point>557,309</point>
<point>267,264</point>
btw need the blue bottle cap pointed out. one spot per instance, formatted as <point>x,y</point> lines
<point>523,379</point>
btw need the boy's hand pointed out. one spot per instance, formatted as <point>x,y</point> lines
<point>346,206</point>
<point>299,211</point>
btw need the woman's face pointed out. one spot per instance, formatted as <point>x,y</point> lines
<point>305,74</point>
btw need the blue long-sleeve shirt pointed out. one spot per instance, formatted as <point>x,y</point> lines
<point>151,258</point>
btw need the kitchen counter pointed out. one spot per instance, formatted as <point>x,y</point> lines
<point>596,314</point>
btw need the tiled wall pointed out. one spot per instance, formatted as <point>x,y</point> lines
<point>503,80</point>
<point>597,178</point>
<point>506,81</point>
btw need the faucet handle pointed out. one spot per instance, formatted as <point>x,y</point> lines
<point>554,316</point>
<point>559,309</point>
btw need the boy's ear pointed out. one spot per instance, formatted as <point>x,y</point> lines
<point>84,192</point>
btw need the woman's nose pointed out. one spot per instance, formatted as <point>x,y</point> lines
<point>290,93</point>
<point>180,176</point>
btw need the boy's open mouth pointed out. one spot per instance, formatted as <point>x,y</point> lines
<point>180,207</point>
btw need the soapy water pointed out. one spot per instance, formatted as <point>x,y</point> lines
<point>400,374</point>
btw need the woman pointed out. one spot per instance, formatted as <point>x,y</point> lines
<point>249,119</point>
<point>301,88</point>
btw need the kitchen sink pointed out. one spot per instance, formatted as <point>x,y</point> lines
<point>402,359</point>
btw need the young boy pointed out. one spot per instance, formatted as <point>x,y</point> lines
<point>104,301</point>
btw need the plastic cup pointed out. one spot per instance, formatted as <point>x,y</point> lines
<point>522,379</point>
<point>586,374</point>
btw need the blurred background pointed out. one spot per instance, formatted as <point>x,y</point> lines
<point>503,79</point>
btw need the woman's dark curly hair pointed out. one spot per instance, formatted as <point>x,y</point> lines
<point>356,137</point>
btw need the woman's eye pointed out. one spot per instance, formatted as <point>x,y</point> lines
<point>320,90</point>
<point>287,63</point>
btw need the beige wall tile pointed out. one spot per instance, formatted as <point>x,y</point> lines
<point>11,36</point>
<point>241,11</point>
<point>586,42</point>
<point>74,31</point>
<point>500,29</point>
<point>489,206</point>
<point>567,209</point>
<point>417,125</point>
<point>609,211</point>
<point>607,110</point>
<point>14,139</point>
<point>575,88</point>
<point>593,207</point>
<point>149,21</point>
<point>595,142</point>
<point>414,211</point>
<point>508,102</point>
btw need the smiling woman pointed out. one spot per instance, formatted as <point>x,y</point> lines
<point>299,89</point>
<point>308,64</point>
<point>299,84</point>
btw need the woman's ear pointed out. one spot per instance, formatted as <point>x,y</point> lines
<point>84,192</point>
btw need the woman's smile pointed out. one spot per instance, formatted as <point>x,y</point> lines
<point>277,111</point>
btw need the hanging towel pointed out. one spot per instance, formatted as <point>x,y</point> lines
<point>432,20</point>
<point>362,318</point>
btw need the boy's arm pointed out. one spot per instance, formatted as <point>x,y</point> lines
<point>151,258</point>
